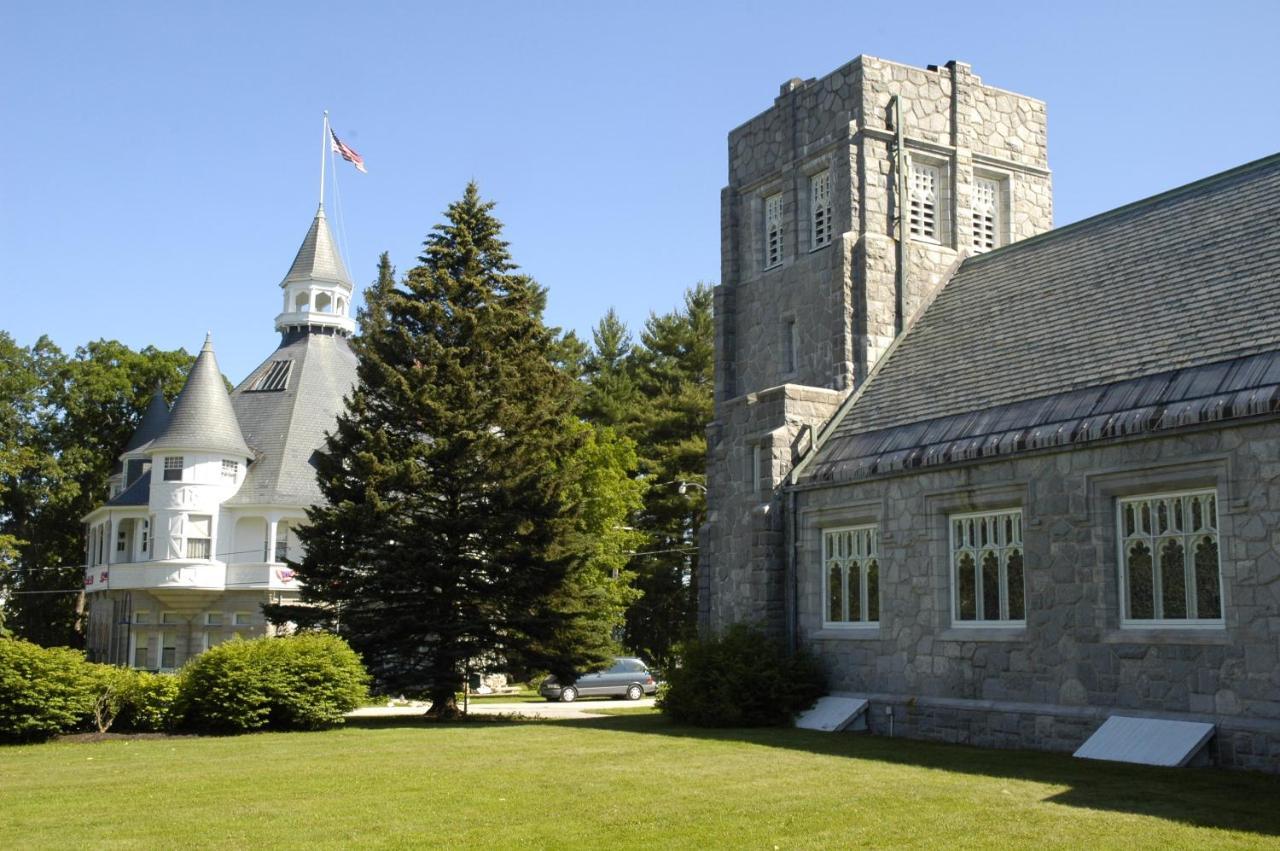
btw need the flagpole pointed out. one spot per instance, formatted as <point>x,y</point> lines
<point>324,146</point>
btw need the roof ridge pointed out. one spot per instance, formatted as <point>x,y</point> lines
<point>1124,209</point>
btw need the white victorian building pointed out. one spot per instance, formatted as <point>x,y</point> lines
<point>206,502</point>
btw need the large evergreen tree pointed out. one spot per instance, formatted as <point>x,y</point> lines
<point>455,527</point>
<point>673,372</point>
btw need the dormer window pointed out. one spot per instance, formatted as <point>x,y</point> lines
<point>820,209</point>
<point>773,230</point>
<point>173,468</point>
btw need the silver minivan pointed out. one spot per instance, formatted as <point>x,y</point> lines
<point>628,677</point>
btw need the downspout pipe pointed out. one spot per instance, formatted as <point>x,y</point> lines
<point>900,166</point>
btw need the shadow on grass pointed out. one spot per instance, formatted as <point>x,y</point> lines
<point>1201,797</point>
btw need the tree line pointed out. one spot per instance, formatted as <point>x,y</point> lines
<point>497,492</point>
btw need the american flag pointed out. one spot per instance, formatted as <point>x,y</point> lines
<point>340,147</point>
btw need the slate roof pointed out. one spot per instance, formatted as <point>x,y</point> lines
<point>318,258</point>
<point>285,427</point>
<point>153,423</point>
<point>202,418</point>
<point>138,493</point>
<point>1151,316</point>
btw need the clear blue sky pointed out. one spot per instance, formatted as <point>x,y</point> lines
<point>161,158</point>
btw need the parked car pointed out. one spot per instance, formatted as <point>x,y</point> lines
<point>627,677</point>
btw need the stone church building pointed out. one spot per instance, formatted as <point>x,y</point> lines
<point>1004,480</point>
<point>205,504</point>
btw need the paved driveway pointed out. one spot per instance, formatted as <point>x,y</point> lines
<point>582,708</point>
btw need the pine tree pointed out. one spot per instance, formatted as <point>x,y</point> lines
<point>611,398</point>
<point>674,374</point>
<point>454,528</point>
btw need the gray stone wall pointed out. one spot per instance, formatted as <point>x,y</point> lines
<point>111,614</point>
<point>842,297</point>
<point>742,560</point>
<point>1048,685</point>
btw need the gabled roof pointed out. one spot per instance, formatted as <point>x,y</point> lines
<point>285,412</point>
<point>153,423</point>
<point>202,418</point>
<point>318,258</point>
<point>1140,301</point>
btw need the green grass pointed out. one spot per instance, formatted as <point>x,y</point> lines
<point>627,782</point>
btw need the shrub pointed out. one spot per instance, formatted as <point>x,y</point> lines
<point>742,678</point>
<point>300,682</point>
<point>145,701</point>
<point>43,690</point>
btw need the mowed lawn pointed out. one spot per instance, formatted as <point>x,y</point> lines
<point>623,781</point>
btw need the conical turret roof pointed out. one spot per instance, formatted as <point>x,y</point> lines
<point>202,418</point>
<point>318,258</point>
<point>153,422</point>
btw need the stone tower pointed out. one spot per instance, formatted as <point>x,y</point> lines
<point>815,283</point>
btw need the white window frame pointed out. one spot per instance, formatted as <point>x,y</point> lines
<point>1155,538</point>
<point>188,525</point>
<point>142,617</point>
<point>174,463</point>
<point>170,619</point>
<point>866,547</point>
<point>774,242</point>
<point>976,548</point>
<point>140,640</point>
<point>820,209</point>
<point>213,618</point>
<point>242,619</point>
<point>232,468</point>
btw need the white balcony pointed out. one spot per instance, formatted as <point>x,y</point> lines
<point>196,575</point>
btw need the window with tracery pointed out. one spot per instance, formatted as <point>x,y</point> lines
<point>820,209</point>
<point>773,230</point>
<point>851,575</point>
<point>925,186</point>
<point>1169,563</point>
<point>988,585</point>
<point>986,214</point>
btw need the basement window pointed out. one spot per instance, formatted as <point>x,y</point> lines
<point>851,576</point>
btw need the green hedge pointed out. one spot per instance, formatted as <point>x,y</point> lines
<point>302,682</point>
<point>43,690</point>
<point>742,678</point>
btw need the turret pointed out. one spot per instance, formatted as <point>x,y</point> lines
<point>198,461</point>
<point>317,289</point>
